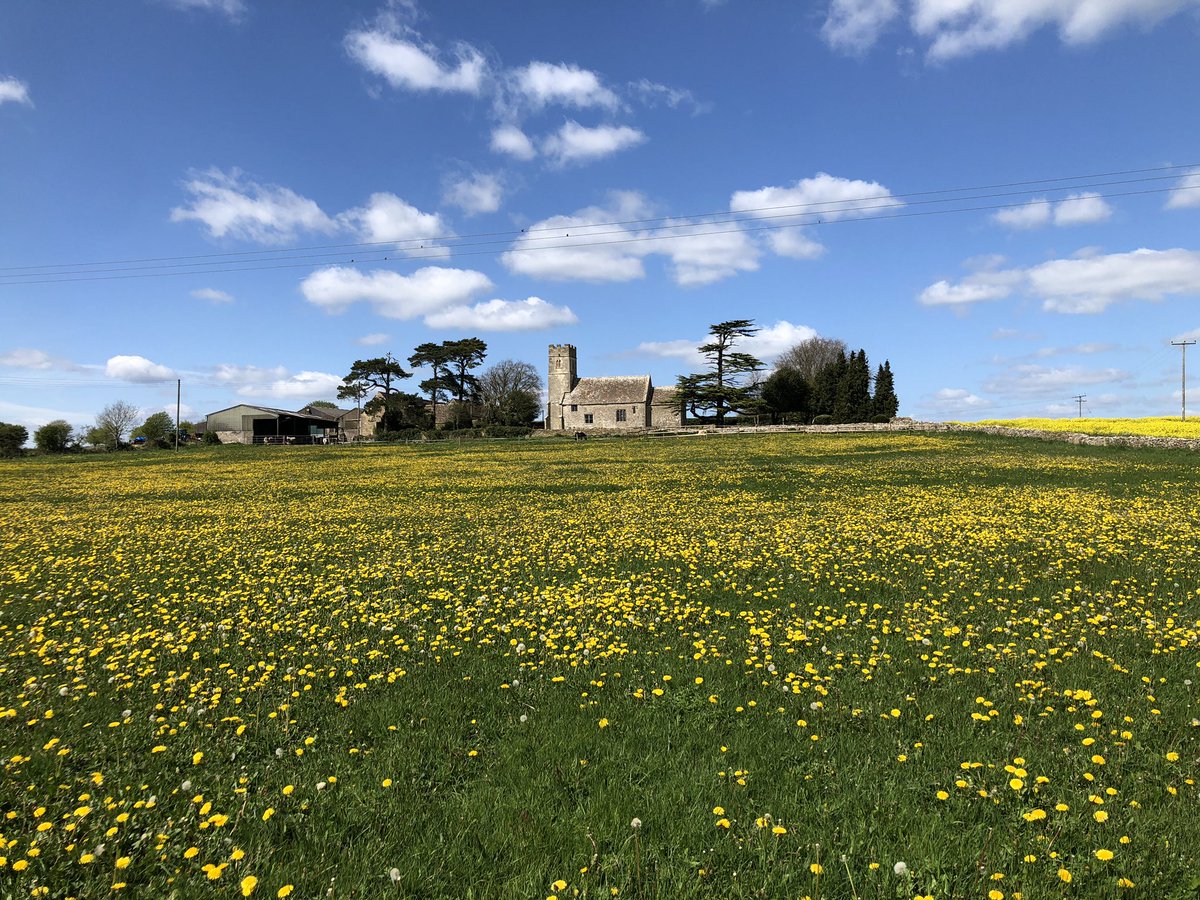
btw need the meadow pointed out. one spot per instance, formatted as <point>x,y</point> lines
<point>1150,426</point>
<point>835,666</point>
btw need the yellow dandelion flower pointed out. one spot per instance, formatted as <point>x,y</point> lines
<point>248,884</point>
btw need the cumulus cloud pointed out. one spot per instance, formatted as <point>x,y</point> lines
<point>386,218</point>
<point>1081,285</point>
<point>953,400</point>
<point>229,204</point>
<point>702,253</point>
<point>137,369</point>
<point>1186,192</point>
<point>212,295</point>
<point>13,90</point>
<point>276,382</point>
<point>586,246</point>
<point>475,193</point>
<point>408,63</point>
<point>575,143</point>
<point>392,295</point>
<point>27,358</point>
<point>1077,209</point>
<point>540,84</point>
<point>957,28</point>
<point>512,141</point>
<point>767,344</point>
<point>853,26</point>
<point>504,315</point>
<point>651,93</point>
<point>824,197</point>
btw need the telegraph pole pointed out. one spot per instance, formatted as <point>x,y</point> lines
<point>1182,345</point>
<point>178,389</point>
<point>1080,399</point>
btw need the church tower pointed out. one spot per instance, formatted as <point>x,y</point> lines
<point>562,377</point>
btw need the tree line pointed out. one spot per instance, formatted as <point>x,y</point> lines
<point>508,393</point>
<point>818,381</point>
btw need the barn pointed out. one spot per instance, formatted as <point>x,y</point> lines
<point>248,424</point>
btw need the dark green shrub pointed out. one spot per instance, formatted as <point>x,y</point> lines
<point>210,438</point>
<point>823,420</point>
<point>881,419</point>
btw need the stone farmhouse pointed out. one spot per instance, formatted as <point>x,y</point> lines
<point>613,403</point>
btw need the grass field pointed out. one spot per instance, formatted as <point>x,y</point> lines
<point>854,666</point>
<point>1157,426</point>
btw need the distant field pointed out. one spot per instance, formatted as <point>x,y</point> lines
<point>1160,426</point>
<point>845,666</point>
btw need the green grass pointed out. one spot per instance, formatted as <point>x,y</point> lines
<point>458,621</point>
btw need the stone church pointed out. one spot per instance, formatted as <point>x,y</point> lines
<point>614,403</point>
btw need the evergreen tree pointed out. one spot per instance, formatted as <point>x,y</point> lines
<point>722,389</point>
<point>380,373</point>
<point>465,355</point>
<point>825,386</point>
<point>441,382</point>
<point>787,395</point>
<point>885,402</point>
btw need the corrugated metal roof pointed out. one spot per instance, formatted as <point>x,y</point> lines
<point>614,389</point>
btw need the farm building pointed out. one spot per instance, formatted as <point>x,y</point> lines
<point>247,424</point>
<point>614,403</point>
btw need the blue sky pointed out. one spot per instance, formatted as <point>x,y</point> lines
<point>249,196</point>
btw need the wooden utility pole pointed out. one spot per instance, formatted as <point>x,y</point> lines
<point>178,389</point>
<point>1080,398</point>
<point>1182,345</point>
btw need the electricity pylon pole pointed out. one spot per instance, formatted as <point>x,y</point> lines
<point>1182,345</point>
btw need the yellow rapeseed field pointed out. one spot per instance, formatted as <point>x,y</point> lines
<point>778,666</point>
<point>1157,426</point>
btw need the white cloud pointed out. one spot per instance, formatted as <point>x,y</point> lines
<point>1077,209</point>
<point>823,197</point>
<point>137,369</point>
<point>425,291</point>
<point>586,246</point>
<point>1082,209</point>
<point>959,29</point>
<point>213,295</point>
<point>1033,214</point>
<point>956,28</point>
<point>652,93</point>
<point>952,400</point>
<point>852,26</point>
<point>767,344</point>
<point>277,382</point>
<point>974,288</point>
<point>512,141</point>
<point>474,194</point>
<point>1187,192</point>
<point>575,143</point>
<point>230,205</point>
<point>504,315</point>
<point>386,218</point>
<point>373,340</point>
<point>1092,285</point>
<point>540,84</point>
<point>13,90</point>
<point>701,253</point>
<point>1081,285</point>
<point>406,63</point>
<point>26,358</point>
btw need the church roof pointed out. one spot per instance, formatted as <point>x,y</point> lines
<point>662,395</point>
<point>616,389</point>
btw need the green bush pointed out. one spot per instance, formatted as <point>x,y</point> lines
<point>823,420</point>
<point>210,438</point>
<point>507,431</point>
<point>881,419</point>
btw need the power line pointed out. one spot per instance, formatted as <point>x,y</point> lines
<point>255,259</point>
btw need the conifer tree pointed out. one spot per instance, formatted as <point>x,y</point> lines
<point>885,402</point>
